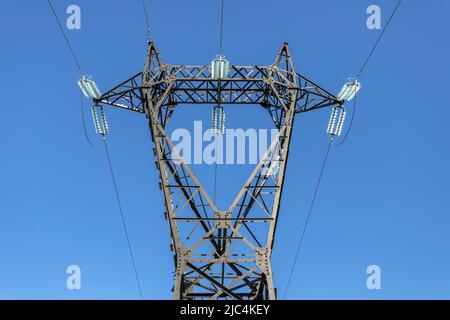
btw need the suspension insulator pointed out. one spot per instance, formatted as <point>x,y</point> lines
<point>335,127</point>
<point>332,121</point>
<point>101,125</point>
<point>218,120</point>
<point>341,121</point>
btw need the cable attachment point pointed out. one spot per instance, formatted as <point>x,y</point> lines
<point>89,88</point>
<point>336,122</point>
<point>349,90</point>
<point>101,125</point>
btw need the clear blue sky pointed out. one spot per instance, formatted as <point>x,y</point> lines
<point>384,198</point>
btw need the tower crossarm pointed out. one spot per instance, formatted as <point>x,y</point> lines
<point>193,85</point>
<point>127,95</point>
<point>312,96</point>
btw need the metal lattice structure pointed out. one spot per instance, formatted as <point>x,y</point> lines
<point>221,254</point>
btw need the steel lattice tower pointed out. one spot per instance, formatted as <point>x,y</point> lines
<point>221,254</point>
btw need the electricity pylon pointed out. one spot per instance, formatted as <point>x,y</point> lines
<point>221,254</point>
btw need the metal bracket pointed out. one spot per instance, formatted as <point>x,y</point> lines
<point>183,257</point>
<point>263,260</point>
<point>221,222</point>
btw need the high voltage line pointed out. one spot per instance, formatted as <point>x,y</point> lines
<point>108,157</point>
<point>363,66</point>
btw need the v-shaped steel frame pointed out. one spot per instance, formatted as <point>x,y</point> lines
<point>221,254</point>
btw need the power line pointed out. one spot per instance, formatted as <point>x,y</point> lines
<point>366,61</point>
<point>125,229</point>
<point>350,125</point>
<point>302,237</point>
<point>147,23</point>
<point>215,182</point>
<point>106,149</point>
<point>77,62</point>
<point>215,167</point>
<point>221,53</point>
<point>84,121</point>
<point>65,38</point>
<point>221,27</point>
<point>378,40</point>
